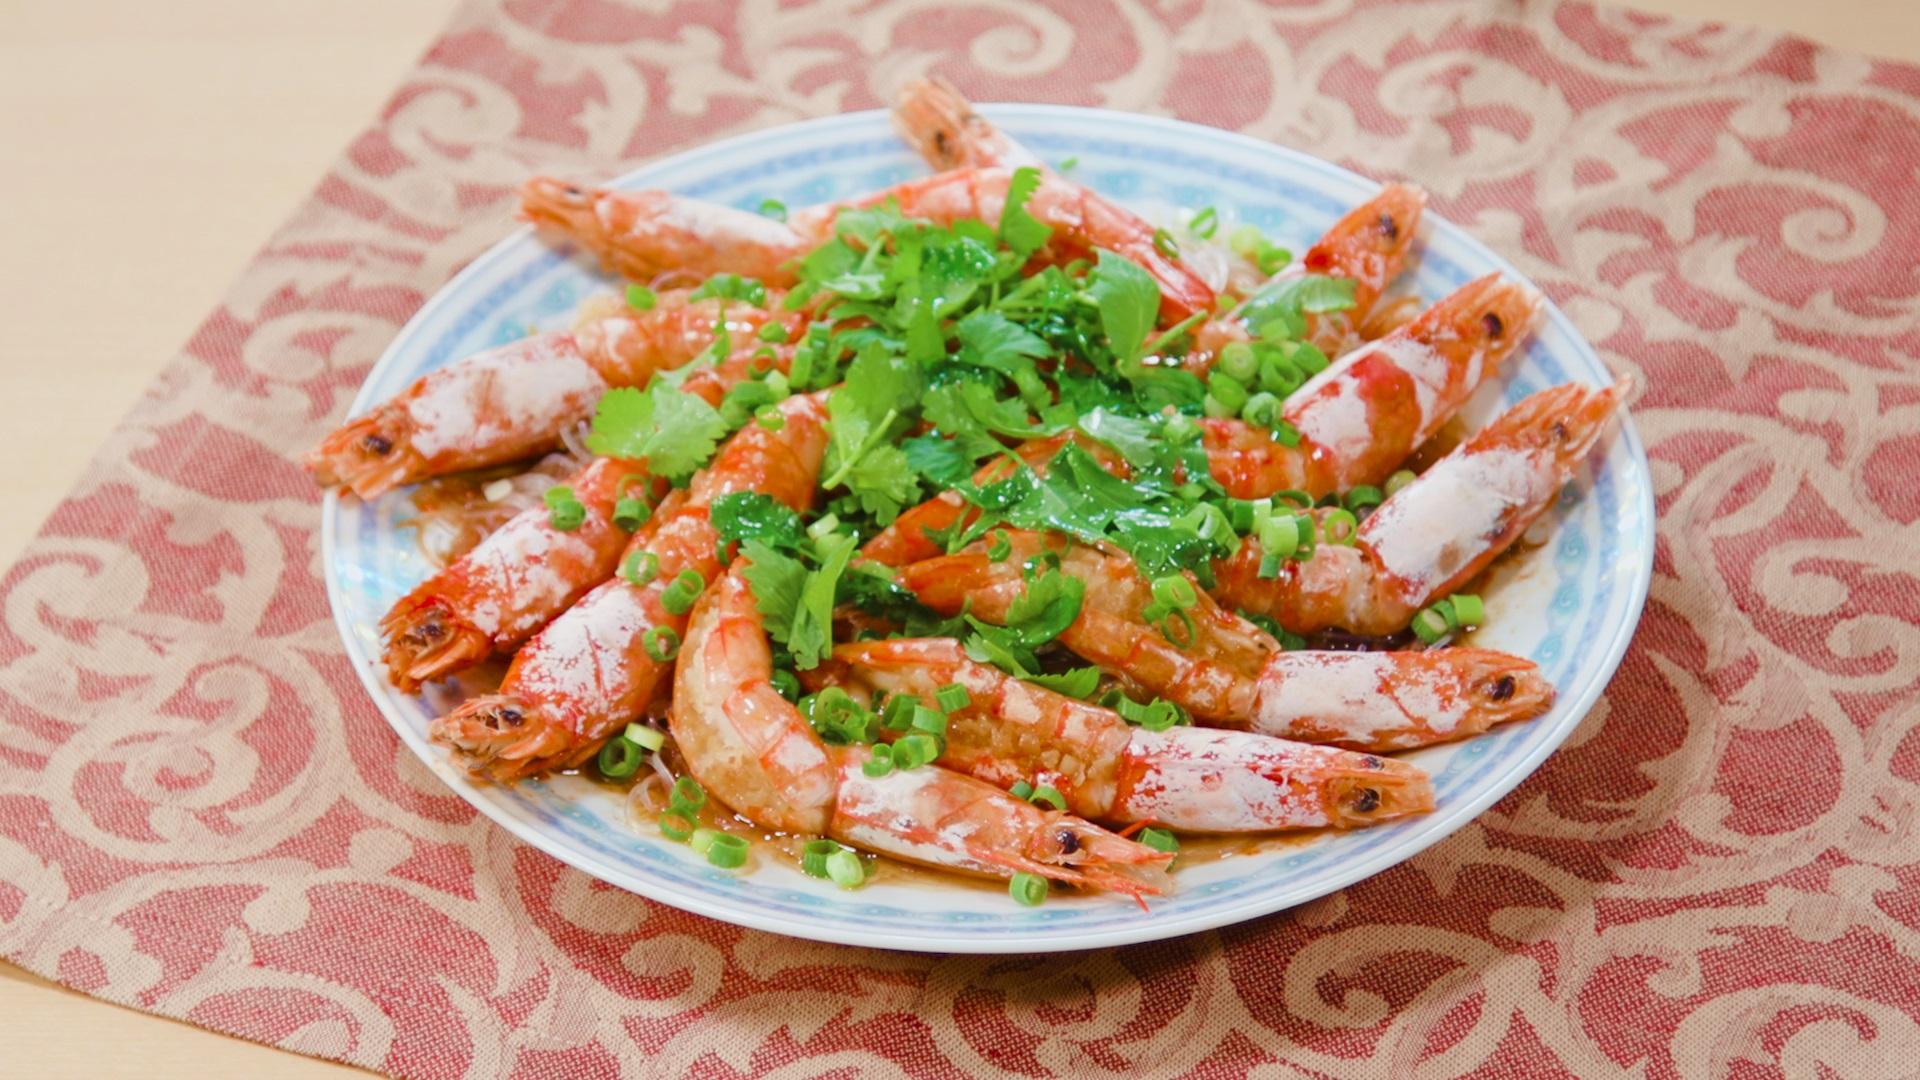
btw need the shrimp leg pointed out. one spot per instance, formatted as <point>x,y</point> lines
<point>1186,778</point>
<point>1436,533</point>
<point>594,668</point>
<point>753,750</point>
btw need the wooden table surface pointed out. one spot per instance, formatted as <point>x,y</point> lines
<point>152,147</point>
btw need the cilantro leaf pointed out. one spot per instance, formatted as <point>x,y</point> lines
<point>999,646</point>
<point>750,515</point>
<point>883,481</point>
<point>776,580</point>
<point>1129,302</point>
<point>1133,438</point>
<point>997,343</point>
<point>1289,301</point>
<point>1023,233</point>
<point>946,462</point>
<point>868,224</point>
<point>1048,606</point>
<point>811,638</point>
<point>796,604</point>
<point>959,408</point>
<point>675,432</point>
<point>1078,682</point>
<point>862,414</point>
<point>871,588</point>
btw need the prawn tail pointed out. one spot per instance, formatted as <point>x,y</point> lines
<point>369,454</point>
<point>503,738</point>
<point>427,641</point>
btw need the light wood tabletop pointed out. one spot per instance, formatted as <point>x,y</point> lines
<point>153,148</point>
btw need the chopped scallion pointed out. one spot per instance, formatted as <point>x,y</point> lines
<point>662,643</point>
<point>630,513</point>
<point>727,851</point>
<point>1028,890</point>
<point>648,738</point>
<point>814,856</point>
<point>679,596</point>
<point>952,696</point>
<point>1174,591</point>
<point>1339,526</point>
<point>620,758</point>
<point>1160,840</point>
<point>1468,609</point>
<point>1363,497</point>
<point>639,568</point>
<point>564,511</point>
<point>688,796</point>
<point>1431,625</point>
<point>845,869</point>
<point>640,298</point>
<point>676,824</point>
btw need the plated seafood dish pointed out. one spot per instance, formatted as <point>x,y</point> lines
<point>976,523</point>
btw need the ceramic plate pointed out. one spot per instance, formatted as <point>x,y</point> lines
<point>1571,604</point>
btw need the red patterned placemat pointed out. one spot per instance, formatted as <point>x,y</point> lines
<point>1719,875</point>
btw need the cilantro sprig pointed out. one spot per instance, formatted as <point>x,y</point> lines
<point>675,432</point>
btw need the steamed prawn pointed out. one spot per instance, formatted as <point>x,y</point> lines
<point>1228,672</point>
<point>513,401</point>
<point>1439,531</point>
<point>1186,778</point>
<point>751,748</point>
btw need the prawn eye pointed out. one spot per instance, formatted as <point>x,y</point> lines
<point>1559,431</point>
<point>1502,688</point>
<point>1491,322</point>
<point>510,717</point>
<point>574,191</point>
<point>1389,228</point>
<point>431,630</point>
<point>1371,762</point>
<point>1069,841</point>
<point>1366,801</point>
<point>376,444</point>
